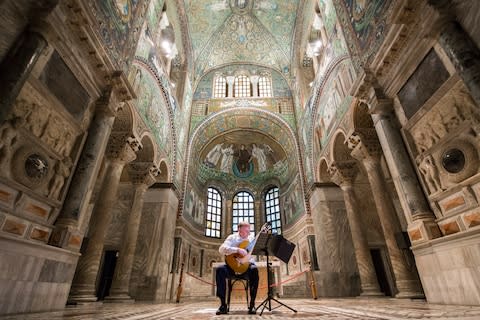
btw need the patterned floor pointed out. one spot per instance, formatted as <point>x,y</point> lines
<point>324,309</point>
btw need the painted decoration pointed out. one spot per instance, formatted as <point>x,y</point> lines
<point>152,108</point>
<point>119,22</point>
<point>258,31</point>
<point>364,24</point>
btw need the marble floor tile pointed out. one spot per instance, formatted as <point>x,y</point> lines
<point>323,309</point>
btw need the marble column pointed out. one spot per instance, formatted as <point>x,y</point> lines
<point>84,283</point>
<point>254,81</point>
<point>421,220</point>
<point>121,279</point>
<point>229,218</point>
<point>230,81</point>
<point>16,68</point>
<point>85,176</point>
<point>459,47</point>
<point>465,56</point>
<point>369,152</point>
<point>343,174</point>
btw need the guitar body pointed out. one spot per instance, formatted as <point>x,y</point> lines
<point>238,263</point>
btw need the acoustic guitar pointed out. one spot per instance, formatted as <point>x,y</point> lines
<point>238,263</point>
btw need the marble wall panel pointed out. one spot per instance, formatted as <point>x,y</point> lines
<point>33,276</point>
<point>448,269</point>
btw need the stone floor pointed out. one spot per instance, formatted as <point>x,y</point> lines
<point>324,309</point>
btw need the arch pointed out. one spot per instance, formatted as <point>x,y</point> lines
<point>323,175</point>
<point>340,151</point>
<point>361,116</point>
<point>164,175</point>
<point>124,120</point>
<point>252,118</point>
<point>222,69</point>
<point>147,152</point>
<point>315,101</point>
<point>168,99</point>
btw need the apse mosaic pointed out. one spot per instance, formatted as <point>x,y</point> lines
<point>118,22</point>
<point>364,24</point>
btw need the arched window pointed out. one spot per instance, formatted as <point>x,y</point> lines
<point>220,87</point>
<point>214,213</point>
<point>265,87</point>
<point>241,86</point>
<point>243,210</point>
<point>272,209</point>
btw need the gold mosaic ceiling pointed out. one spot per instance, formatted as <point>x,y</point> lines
<point>241,31</point>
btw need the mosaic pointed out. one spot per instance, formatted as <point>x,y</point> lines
<point>118,22</point>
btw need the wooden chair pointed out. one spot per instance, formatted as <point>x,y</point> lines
<point>231,280</point>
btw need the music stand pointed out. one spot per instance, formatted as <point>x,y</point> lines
<point>280,248</point>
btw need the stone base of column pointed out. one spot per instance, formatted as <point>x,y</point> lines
<point>81,294</point>
<point>409,289</point>
<point>371,292</point>
<point>119,298</point>
<point>420,231</point>
<point>82,299</point>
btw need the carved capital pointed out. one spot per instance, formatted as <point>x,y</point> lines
<point>368,91</point>
<point>119,82</point>
<point>143,173</point>
<point>365,145</point>
<point>121,152</point>
<point>343,173</point>
<point>134,143</point>
<point>108,103</point>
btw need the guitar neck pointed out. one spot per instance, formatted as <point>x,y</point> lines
<point>252,244</point>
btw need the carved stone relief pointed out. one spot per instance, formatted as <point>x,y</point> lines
<point>453,110</point>
<point>57,133</point>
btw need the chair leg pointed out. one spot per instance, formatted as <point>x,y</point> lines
<point>229,294</point>
<point>246,292</point>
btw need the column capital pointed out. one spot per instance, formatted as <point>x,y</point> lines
<point>121,153</point>
<point>368,91</point>
<point>143,173</point>
<point>123,90</point>
<point>230,79</point>
<point>365,146</point>
<point>343,173</point>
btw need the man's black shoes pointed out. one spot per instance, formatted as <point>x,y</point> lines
<point>222,310</point>
<point>252,310</point>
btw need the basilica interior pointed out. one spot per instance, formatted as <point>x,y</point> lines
<point>136,134</point>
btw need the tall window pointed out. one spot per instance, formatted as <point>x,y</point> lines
<point>220,87</point>
<point>264,87</point>
<point>272,210</point>
<point>243,210</point>
<point>242,86</point>
<point>214,213</point>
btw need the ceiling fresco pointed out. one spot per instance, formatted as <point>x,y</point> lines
<point>241,31</point>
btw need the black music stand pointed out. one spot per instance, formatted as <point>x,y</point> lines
<point>279,247</point>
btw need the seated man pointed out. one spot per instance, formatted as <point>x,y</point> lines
<point>230,247</point>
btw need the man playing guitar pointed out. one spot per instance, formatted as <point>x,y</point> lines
<point>235,249</point>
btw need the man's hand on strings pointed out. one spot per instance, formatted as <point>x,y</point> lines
<point>242,252</point>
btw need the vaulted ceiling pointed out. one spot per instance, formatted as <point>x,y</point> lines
<point>241,31</point>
